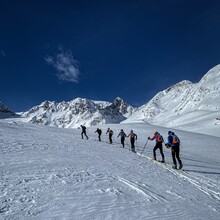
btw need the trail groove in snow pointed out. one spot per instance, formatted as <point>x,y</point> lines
<point>206,187</point>
<point>142,190</point>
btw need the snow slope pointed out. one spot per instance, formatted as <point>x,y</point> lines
<point>51,173</point>
<point>184,105</point>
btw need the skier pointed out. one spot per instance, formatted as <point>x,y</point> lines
<point>84,131</point>
<point>159,141</point>
<point>99,131</point>
<point>133,137</point>
<point>174,143</point>
<point>110,133</point>
<point>122,135</point>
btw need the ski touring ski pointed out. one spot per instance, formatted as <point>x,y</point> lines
<point>168,166</point>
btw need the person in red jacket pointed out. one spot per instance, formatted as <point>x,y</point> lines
<point>159,141</point>
<point>110,133</point>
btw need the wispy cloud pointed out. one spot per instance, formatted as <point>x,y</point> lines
<point>3,53</point>
<point>66,66</point>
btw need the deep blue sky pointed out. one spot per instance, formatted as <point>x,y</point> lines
<point>132,49</point>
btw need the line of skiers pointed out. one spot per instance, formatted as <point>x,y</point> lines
<point>173,143</point>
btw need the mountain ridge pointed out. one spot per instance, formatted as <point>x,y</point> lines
<point>180,105</point>
<point>78,111</point>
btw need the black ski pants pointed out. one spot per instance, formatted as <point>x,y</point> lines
<point>160,146</point>
<point>84,133</point>
<point>132,144</point>
<point>110,138</point>
<point>99,137</point>
<point>123,141</point>
<point>175,150</point>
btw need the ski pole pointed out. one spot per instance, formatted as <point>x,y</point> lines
<point>144,147</point>
<point>126,143</point>
<point>136,145</point>
<point>129,146</point>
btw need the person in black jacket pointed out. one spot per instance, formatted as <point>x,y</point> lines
<point>99,131</point>
<point>122,135</point>
<point>133,137</point>
<point>84,132</point>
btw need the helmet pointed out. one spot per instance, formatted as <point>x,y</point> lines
<point>121,129</point>
<point>156,132</point>
<point>131,131</point>
<point>169,132</point>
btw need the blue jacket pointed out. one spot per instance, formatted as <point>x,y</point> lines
<point>170,140</point>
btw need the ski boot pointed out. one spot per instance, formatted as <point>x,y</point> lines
<point>174,167</point>
<point>180,166</point>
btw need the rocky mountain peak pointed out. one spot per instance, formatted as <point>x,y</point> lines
<point>4,108</point>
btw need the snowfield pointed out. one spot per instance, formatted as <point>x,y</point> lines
<point>51,173</point>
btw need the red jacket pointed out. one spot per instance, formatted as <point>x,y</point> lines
<point>156,137</point>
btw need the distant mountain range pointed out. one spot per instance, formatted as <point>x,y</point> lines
<point>79,111</point>
<point>183,106</point>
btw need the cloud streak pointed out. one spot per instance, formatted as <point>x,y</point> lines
<point>3,53</point>
<point>66,66</point>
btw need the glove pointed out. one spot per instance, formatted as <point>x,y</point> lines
<point>168,145</point>
<point>148,138</point>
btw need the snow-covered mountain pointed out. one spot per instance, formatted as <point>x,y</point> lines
<point>184,103</point>
<point>78,111</point>
<point>4,108</point>
<point>124,108</point>
<point>5,111</point>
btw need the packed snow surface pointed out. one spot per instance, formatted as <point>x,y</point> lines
<point>51,173</point>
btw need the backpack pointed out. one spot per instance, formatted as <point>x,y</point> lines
<point>83,128</point>
<point>175,139</point>
<point>99,131</point>
<point>133,135</point>
<point>160,138</point>
<point>122,134</point>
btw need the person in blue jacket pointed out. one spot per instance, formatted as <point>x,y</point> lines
<point>173,142</point>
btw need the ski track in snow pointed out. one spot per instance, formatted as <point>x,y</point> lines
<point>208,187</point>
<point>143,190</point>
<point>50,173</point>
